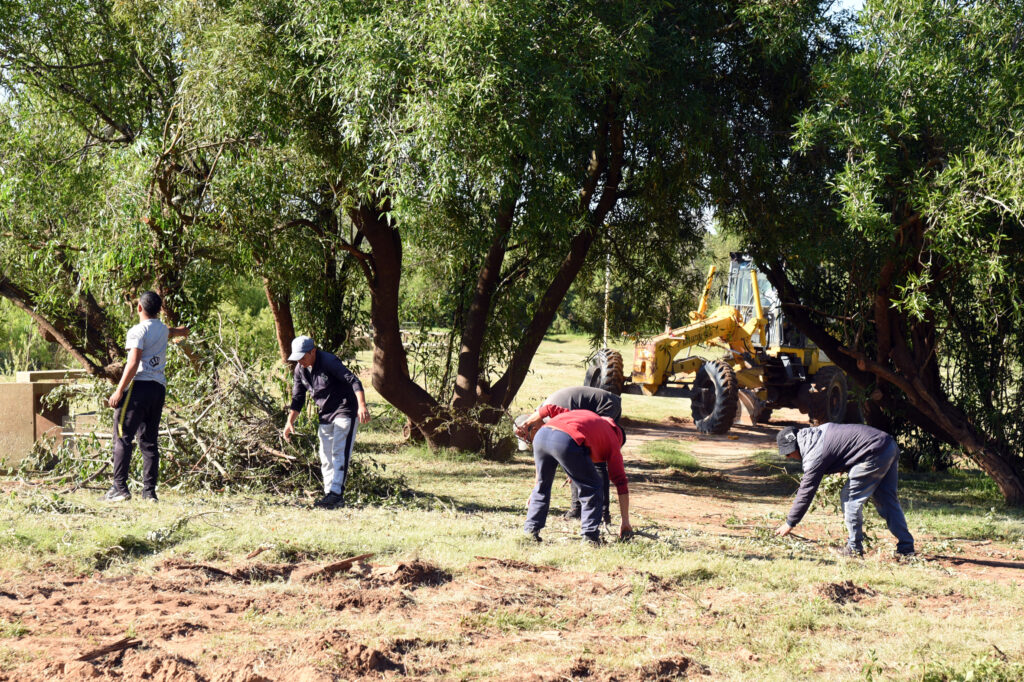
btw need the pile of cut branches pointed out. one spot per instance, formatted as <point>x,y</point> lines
<point>221,430</point>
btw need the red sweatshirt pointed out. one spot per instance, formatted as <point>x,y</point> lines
<point>600,434</point>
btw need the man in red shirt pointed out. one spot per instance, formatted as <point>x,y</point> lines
<point>574,440</point>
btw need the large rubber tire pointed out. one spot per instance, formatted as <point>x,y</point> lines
<point>828,396</point>
<point>606,371</point>
<point>716,397</point>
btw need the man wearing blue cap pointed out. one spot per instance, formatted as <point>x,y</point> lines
<point>871,457</point>
<point>340,400</point>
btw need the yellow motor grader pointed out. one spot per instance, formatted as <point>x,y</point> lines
<point>767,364</point>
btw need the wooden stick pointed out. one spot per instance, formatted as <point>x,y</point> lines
<point>343,565</point>
<point>256,552</point>
<point>119,645</point>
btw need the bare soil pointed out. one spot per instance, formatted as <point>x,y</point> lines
<point>254,621</point>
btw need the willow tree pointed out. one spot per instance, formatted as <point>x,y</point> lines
<point>104,187</point>
<point>507,140</point>
<point>913,285</point>
<point>149,145</point>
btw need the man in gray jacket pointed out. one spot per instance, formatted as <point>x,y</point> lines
<point>871,457</point>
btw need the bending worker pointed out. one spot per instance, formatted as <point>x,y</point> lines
<point>340,400</point>
<point>574,440</point>
<point>872,459</point>
<point>604,404</point>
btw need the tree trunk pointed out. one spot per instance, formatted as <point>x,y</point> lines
<point>606,163</point>
<point>390,364</point>
<point>280,302</point>
<point>95,351</point>
<point>908,380</point>
<point>452,426</point>
<point>468,376</point>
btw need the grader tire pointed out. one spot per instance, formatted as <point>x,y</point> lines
<point>606,371</point>
<point>829,396</point>
<point>716,401</point>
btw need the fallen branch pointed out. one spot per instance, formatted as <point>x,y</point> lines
<point>329,569</point>
<point>119,645</point>
<point>259,550</point>
<point>91,476</point>
<point>276,453</point>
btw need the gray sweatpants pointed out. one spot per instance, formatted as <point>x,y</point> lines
<point>336,440</point>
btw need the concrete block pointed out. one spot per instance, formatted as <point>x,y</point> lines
<point>24,419</point>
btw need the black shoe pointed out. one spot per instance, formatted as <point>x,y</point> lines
<point>850,552</point>
<point>115,494</point>
<point>329,501</point>
<point>532,536</point>
<point>149,496</point>
<point>572,513</point>
<point>906,556</point>
<point>593,539</point>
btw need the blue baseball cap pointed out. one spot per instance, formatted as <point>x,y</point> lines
<point>786,440</point>
<point>300,346</point>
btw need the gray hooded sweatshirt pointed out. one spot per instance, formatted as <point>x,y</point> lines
<point>832,449</point>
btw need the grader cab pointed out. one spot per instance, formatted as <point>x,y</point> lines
<point>765,362</point>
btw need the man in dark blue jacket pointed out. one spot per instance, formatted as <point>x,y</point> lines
<point>339,398</point>
<point>871,457</point>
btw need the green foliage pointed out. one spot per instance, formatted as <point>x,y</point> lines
<point>926,119</point>
<point>21,346</point>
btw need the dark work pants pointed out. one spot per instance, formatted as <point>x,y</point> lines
<point>552,449</point>
<point>602,470</point>
<point>138,415</point>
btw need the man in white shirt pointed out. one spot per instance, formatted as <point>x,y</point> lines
<point>138,401</point>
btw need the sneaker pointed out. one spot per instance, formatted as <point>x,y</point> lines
<point>329,501</point>
<point>850,552</point>
<point>115,494</point>
<point>593,539</point>
<point>149,496</point>
<point>572,513</point>
<point>906,556</point>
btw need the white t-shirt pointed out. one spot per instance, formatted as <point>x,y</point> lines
<point>150,337</point>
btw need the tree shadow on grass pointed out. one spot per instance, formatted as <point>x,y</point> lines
<point>460,506</point>
<point>968,493</point>
<point>744,483</point>
<point>989,563</point>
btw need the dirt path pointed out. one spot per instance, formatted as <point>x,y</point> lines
<point>732,487</point>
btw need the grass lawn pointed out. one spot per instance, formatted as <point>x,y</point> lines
<point>704,590</point>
